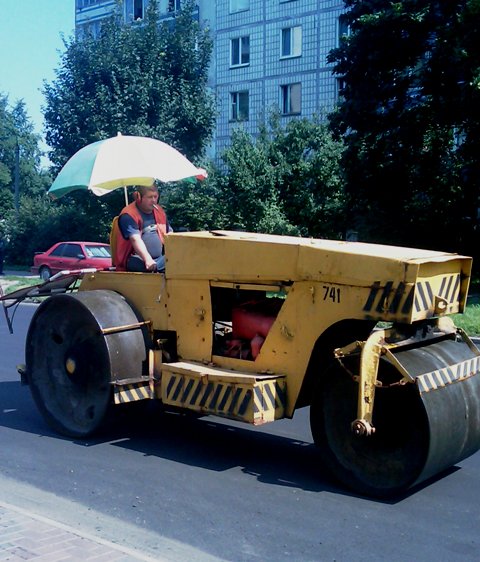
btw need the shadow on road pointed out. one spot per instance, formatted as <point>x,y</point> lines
<point>206,442</point>
<point>213,445</point>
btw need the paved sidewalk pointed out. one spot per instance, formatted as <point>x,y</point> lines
<point>27,536</point>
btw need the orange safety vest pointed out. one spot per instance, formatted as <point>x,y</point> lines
<point>123,248</point>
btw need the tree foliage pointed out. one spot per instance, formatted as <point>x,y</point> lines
<point>17,136</point>
<point>19,154</point>
<point>194,205</point>
<point>286,180</point>
<point>41,222</point>
<point>146,78</point>
<point>410,118</point>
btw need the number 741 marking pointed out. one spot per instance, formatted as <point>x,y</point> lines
<point>331,293</point>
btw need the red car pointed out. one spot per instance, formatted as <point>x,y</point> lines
<point>71,255</point>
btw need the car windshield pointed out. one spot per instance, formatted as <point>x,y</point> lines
<point>97,251</point>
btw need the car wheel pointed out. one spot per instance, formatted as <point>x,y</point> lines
<point>45,273</point>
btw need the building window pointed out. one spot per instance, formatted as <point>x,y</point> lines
<point>291,42</point>
<point>174,5</point>
<point>344,29</point>
<point>339,87</point>
<point>86,3</point>
<point>134,10</point>
<point>82,4</point>
<point>291,99</point>
<point>239,102</point>
<point>240,51</point>
<point>138,10</point>
<point>239,5</point>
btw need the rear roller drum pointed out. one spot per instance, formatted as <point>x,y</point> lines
<point>71,363</point>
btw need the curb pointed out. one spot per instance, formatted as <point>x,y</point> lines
<point>28,536</point>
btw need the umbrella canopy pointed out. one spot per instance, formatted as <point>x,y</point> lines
<point>120,161</point>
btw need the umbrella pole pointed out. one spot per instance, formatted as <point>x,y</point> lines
<point>126,195</point>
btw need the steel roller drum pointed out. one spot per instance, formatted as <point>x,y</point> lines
<point>419,430</point>
<point>451,396</point>
<point>71,362</point>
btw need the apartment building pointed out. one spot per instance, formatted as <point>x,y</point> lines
<point>90,13</point>
<point>267,54</point>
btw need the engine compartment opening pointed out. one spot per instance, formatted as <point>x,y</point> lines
<point>242,319</point>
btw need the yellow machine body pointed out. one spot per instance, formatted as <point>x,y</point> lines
<point>320,282</point>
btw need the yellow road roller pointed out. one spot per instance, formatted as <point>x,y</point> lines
<point>251,327</point>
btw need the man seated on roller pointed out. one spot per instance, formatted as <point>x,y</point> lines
<point>142,226</point>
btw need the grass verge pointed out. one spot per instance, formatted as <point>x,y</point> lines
<point>11,283</point>
<point>469,320</point>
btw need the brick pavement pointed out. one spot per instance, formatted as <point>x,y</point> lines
<point>27,536</point>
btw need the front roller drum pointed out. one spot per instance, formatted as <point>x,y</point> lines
<point>418,433</point>
<point>72,357</point>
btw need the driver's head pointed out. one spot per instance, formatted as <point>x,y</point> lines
<point>146,197</point>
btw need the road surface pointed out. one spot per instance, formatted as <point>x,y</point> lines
<point>175,488</point>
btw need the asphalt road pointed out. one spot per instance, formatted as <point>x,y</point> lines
<point>183,489</point>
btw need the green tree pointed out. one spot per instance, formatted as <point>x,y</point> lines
<point>41,222</point>
<point>147,78</point>
<point>17,137</point>
<point>311,187</point>
<point>410,120</point>
<point>195,205</point>
<point>286,180</point>
<point>19,146</point>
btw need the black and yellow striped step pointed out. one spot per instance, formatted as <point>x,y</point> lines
<point>250,397</point>
<point>132,390</point>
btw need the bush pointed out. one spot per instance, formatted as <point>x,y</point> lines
<point>41,223</point>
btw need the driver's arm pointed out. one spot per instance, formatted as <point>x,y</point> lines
<point>141,250</point>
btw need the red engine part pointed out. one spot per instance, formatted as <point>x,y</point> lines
<point>252,322</point>
<point>249,320</point>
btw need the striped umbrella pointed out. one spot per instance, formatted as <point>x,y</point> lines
<point>120,161</point>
